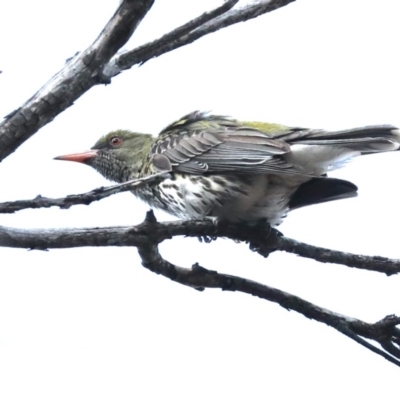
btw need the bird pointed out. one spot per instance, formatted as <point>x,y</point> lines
<point>232,170</point>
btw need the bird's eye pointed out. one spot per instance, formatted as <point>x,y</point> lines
<point>115,141</point>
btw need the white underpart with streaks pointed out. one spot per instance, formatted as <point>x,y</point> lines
<point>260,196</point>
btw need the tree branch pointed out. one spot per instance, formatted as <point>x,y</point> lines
<point>183,36</point>
<point>87,198</point>
<point>80,73</point>
<point>383,332</point>
<point>375,263</point>
<point>150,233</point>
<point>165,41</point>
<point>93,66</point>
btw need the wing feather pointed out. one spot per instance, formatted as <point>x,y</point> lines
<point>221,146</point>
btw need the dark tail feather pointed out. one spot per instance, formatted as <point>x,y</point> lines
<point>374,131</point>
<point>321,190</point>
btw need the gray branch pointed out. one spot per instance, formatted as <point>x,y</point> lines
<point>370,263</point>
<point>80,73</point>
<point>148,235</point>
<point>87,198</point>
<point>384,332</point>
<point>93,66</point>
<point>189,32</point>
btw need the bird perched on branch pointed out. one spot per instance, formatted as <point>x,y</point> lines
<point>232,170</point>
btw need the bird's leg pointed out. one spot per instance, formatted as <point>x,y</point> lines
<point>258,234</point>
<point>262,238</point>
<point>209,239</point>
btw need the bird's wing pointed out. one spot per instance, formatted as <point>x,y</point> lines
<point>200,143</point>
<point>212,144</point>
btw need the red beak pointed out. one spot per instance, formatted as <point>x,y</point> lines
<point>78,157</point>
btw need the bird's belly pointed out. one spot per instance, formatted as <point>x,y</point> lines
<point>226,197</point>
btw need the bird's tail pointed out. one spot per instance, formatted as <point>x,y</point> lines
<point>317,152</point>
<point>368,139</point>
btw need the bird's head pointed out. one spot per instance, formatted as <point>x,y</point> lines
<point>119,156</point>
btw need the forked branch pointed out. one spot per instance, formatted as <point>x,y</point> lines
<point>147,236</point>
<point>97,64</point>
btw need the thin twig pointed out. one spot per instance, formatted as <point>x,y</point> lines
<point>144,53</point>
<point>76,199</point>
<point>165,41</point>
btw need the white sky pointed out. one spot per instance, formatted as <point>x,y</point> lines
<point>92,323</point>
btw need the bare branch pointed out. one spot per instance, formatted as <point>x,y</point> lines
<point>375,263</point>
<point>80,73</point>
<point>100,193</point>
<point>150,233</point>
<point>200,278</point>
<point>182,36</point>
<point>262,239</point>
<point>93,66</point>
<point>154,48</point>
